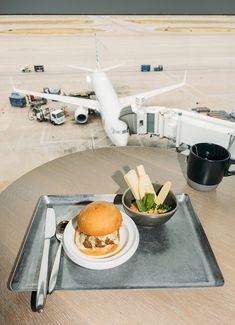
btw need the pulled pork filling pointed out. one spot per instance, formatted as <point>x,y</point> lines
<point>85,241</point>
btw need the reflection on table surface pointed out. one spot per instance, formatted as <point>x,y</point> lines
<point>101,171</point>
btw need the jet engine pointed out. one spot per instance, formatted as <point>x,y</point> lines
<point>81,115</point>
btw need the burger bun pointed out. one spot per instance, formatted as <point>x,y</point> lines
<point>99,218</point>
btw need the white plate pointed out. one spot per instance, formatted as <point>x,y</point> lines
<point>129,241</point>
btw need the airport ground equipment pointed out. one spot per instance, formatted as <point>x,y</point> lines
<point>232,114</point>
<point>221,114</point>
<point>82,94</point>
<point>53,91</point>
<point>26,68</point>
<point>33,100</point>
<point>158,68</point>
<point>17,100</point>
<point>55,116</point>
<point>39,68</point>
<point>145,67</point>
<point>180,126</point>
<point>201,109</point>
<point>36,67</point>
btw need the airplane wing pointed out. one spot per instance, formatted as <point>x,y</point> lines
<point>141,97</point>
<point>89,103</point>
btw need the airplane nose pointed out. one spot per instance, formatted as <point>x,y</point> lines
<point>122,140</point>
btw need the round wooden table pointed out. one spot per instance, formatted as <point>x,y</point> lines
<point>101,171</point>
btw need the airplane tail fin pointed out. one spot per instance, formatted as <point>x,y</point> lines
<point>81,68</point>
<point>98,59</point>
<point>98,67</point>
<point>97,53</point>
<point>113,67</point>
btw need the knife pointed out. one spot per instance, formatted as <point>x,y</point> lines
<point>50,228</point>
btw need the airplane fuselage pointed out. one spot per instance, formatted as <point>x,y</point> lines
<point>109,108</point>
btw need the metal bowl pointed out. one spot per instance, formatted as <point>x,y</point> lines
<point>145,219</point>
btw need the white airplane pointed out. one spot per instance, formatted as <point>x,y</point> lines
<point>107,103</point>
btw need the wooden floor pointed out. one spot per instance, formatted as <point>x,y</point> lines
<point>101,171</point>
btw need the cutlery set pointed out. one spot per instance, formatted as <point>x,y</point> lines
<point>55,269</point>
<point>50,231</point>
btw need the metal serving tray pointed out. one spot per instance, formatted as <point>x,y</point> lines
<point>176,254</point>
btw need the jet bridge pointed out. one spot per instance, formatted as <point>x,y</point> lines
<point>182,127</point>
<point>130,118</point>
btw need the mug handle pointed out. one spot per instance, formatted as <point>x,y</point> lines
<point>228,172</point>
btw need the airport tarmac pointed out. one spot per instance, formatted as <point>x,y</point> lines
<point>208,56</point>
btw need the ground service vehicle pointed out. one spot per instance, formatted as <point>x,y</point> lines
<point>33,100</point>
<point>83,94</point>
<point>36,67</point>
<point>53,91</point>
<point>26,68</point>
<point>55,116</point>
<point>158,68</point>
<point>39,68</point>
<point>17,100</point>
<point>145,67</point>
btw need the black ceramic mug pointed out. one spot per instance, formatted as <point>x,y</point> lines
<point>208,163</point>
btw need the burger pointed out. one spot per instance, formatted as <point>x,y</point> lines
<point>97,231</point>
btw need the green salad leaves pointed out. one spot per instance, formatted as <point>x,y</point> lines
<point>148,203</point>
